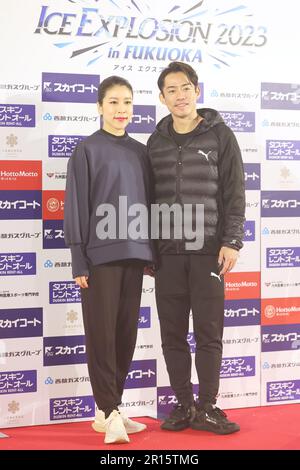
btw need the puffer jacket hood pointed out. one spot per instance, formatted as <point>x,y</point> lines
<point>211,118</point>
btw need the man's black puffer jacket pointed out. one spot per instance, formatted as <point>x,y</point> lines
<point>207,170</point>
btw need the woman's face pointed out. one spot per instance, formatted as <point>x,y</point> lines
<point>116,109</point>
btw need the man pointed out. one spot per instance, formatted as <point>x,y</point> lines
<point>195,159</point>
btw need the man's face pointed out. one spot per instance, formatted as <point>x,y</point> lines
<point>179,95</point>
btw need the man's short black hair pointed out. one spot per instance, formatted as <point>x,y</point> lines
<point>175,67</point>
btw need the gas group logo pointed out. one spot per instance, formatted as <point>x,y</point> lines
<point>242,312</point>
<point>233,367</point>
<point>280,337</point>
<point>252,175</point>
<point>145,317</point>
<point>291,228</point>
<point>53,205</point>
<point>280,96</point>
<point>63,292</point>
<point>242,285</point>
<point>280,203</point>
<point>72,408</point>
<point>283,149</point>
<point>64,350</point>
<point>239,121</point>
<point>70,87</point>
<point>18,381</point>
<point>17,115</point>
<point>283,257</point>
<point>284,390</point>
<point>62,146</point>
<point>128,32</point>
<point>20,205</point>
<point>21,322</point>
<point>21,174</point>
<point>142,374</point>
<point>17,264</point>
<point>280,311</point>
<point>53,234</point>
<point>249,228</point>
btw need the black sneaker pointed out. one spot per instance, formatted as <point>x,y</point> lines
<point>179,418</point>
<point>210,418</point>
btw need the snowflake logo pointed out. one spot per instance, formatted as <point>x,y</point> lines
<point>11,140</point>
<point>72,316</point>
<point>13,406</point>
<point>285,172</point>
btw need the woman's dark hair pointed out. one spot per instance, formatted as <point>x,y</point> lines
<point>175,67</point>
<point>108,83</point>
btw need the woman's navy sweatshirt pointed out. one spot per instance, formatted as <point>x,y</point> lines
<point>102,168</point>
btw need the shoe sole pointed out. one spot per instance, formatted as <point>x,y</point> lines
<point>180,428</point>
<point>99,428</point>
<point>121,440</point>
<point>215,431</point>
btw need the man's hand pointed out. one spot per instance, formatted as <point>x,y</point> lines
<point>227,257</point>
<point>82,281</point>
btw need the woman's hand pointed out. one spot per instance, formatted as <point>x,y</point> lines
<point>82,281</point>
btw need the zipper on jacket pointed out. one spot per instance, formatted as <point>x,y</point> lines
<point>178,179</point>
<point>178,172</point>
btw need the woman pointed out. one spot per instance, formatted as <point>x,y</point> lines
<point>106,265</point>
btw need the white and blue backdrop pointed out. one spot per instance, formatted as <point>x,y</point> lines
<point>53,56</point>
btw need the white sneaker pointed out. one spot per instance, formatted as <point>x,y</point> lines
<point>131,426</point>
<point>115,432</point>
